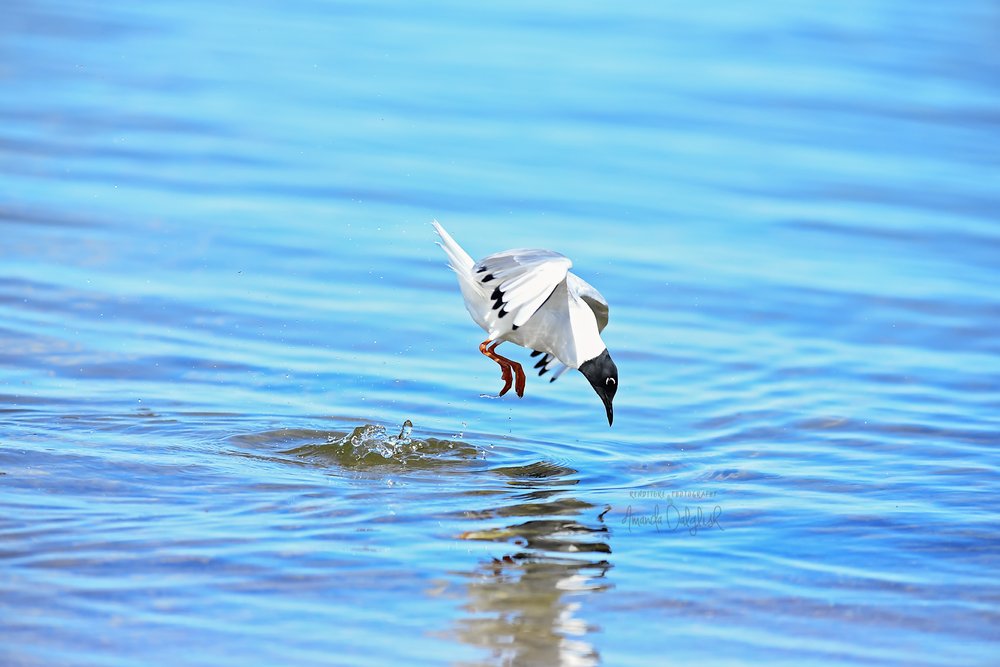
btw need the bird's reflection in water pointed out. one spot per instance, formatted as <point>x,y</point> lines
<point>525,606</point>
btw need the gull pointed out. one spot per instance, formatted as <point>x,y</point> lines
<point>530,298</point>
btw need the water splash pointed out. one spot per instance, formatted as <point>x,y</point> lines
<point>370,445</point>
<point>404,433</point>
<point>370,439</point>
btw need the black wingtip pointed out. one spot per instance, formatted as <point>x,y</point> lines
<point>488,277</point>
<point>535,353</point>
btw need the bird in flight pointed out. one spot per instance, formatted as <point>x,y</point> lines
<point>530,298</point>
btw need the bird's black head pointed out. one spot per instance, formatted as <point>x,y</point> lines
<point>603,376</point>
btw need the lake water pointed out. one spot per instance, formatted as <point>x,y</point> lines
<point>220,298</point>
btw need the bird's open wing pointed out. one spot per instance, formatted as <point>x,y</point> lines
<point>581,288</point>
<point>521,280</point>
<point>547,363</point>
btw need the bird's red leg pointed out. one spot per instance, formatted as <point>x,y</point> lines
<point>511,365</point>
<point>518,372</point>
<point>507,366</point>
<point>520,380</point>
<point>504,363</point>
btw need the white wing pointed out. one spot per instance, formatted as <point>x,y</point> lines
<point>591,296</point>
<point>521,280</point>
<point>548,362</point>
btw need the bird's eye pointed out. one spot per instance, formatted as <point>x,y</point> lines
<point>609,382</point>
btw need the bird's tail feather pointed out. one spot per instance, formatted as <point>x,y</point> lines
<point>458,258</point>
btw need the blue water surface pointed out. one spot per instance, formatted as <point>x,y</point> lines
<point>220,299</point>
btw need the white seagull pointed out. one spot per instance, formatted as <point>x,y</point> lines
<point>530,298</point>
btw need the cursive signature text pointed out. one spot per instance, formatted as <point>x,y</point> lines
<point>673,518</point>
